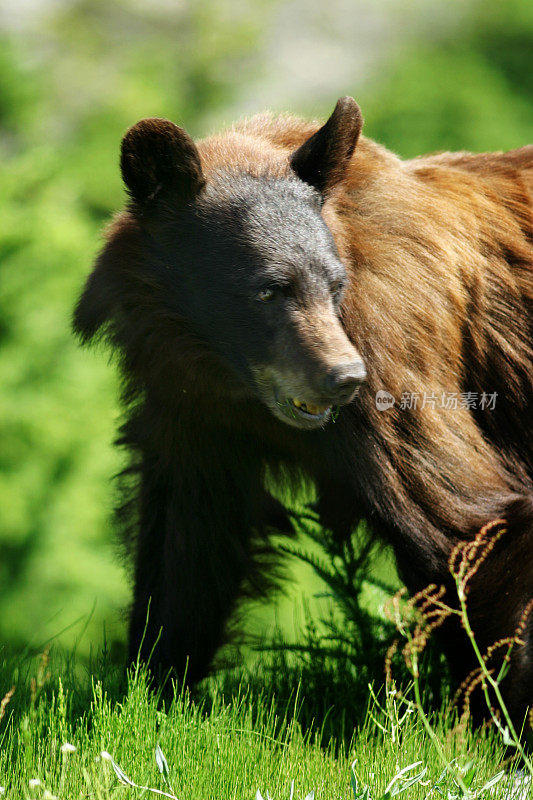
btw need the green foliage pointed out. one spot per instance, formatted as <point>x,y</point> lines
<point>469,89</point>
<point>339,647</point>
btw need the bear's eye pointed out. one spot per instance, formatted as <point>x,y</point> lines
<point>267,294</point>
<point>336,289</point>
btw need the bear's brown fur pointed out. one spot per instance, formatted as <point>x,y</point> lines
<point>438,253</point>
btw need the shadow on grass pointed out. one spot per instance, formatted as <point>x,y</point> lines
<point>321,679</point>
<point>327,697</point>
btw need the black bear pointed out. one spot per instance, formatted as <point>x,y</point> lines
<point>263,280</point>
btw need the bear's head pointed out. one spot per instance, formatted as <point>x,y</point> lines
<point>226,283</point>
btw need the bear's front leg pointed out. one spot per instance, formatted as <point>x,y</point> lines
<point>194,553</point>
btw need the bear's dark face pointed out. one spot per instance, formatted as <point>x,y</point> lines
<point>245,263</point>
<point>254,270</point>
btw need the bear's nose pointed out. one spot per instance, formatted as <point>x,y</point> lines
<point>341,382</point>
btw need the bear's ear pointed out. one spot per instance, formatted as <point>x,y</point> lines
<point>158,156</point>
<point>322,160</point>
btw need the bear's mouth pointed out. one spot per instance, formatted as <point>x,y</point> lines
<point>290,404</point>
<point>303,413</point>
<point>308,410</point>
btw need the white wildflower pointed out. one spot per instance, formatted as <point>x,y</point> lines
<point>68,748</point>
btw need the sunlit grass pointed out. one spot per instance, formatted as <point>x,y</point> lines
<point>53,738</point>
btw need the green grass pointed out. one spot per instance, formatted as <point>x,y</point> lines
<point>296,719</point>
<point>216,746</point>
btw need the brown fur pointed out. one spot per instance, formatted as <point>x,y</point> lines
<point>439,253</point>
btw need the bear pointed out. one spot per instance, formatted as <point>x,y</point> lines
<point>290,301</point>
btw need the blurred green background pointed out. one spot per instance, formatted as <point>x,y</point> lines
<point>429,75</point>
